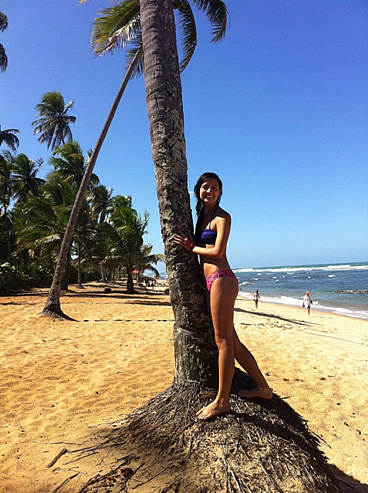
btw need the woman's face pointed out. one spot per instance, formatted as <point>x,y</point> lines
<point>209,191</point>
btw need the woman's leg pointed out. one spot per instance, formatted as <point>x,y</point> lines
<point>222,298</point>
<point>248,362</point>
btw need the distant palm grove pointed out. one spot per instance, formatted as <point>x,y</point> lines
<point>108,239</point>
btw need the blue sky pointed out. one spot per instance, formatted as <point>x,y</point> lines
<point>279,109</point>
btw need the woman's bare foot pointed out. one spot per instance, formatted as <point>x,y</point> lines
<point>213,410</point>
<point>262,392</point>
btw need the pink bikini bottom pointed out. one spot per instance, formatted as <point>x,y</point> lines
<point>217,275</point>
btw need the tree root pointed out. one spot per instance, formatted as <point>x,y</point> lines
<point>259,447</point>
<point>56,313</point>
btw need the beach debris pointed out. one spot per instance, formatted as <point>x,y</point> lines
<point>126,472</point>
<point>60,454</point>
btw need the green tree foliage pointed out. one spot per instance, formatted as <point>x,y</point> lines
<point>70,164</point>
<point>6,180</point>
<point>53,124</point>
<point>126,246</point>
<point>34,214</point>
<point>9,138</point>
<point>3,56</point>
<point>118,27</point>
<point>101,203</point>
<point>6,189</point>
<point>25,180</point>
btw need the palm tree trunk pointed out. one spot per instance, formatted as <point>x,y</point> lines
<point>53,306</point>
<point>7,230</point>
<point>130,283</point>
<point>103,274</point>
<point>195,350</point>
<point>79,266</point>
<point>65,277</point>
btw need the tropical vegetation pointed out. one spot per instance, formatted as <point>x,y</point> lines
<point>3,55</point>
<point>53,123</point>
<point>9,138</point>
<point>107,242</point>
<point>119,27</point>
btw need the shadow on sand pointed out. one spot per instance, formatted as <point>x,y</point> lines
<point>270,315</point>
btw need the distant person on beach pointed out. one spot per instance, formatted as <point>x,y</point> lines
<point>307,301</point>
<point>256,298</point>
<point>210,240</point>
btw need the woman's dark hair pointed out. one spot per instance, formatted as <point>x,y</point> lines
<point>197,188</point>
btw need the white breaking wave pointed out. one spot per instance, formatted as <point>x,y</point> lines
<point>308,268</point>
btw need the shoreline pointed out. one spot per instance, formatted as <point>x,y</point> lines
<point>64,381</point>
<point>314,308</point>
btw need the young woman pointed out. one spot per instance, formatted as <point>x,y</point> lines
<point>210,240</point>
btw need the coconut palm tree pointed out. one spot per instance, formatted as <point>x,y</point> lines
<point>53,123</point>
<point>119,26</point>
<point>47,217</point>
<point>101,202</point>
<point>127,242</point>
<point>261,447</point>
<point>6,190</point>
<point>9,138</point>
<point>25,180</point>
<point>69,164</point>
<point>193,329</point>
<point>147,260</point>
<point>6,181</point>
<point>52,306</point>
<point>245,450</point>
<point>3,57</point>
<point>120,32</point>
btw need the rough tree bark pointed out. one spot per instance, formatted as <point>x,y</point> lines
<point>195,351</point>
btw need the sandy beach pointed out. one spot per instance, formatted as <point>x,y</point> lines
<point>62,380</point>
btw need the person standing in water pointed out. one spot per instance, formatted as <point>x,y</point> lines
<point>307,301</point>
<point>210,242</point>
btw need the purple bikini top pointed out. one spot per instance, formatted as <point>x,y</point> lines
<point>206,237</point>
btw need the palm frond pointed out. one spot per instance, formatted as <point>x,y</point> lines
<point>53,239</point>
<point>135,46</point>
<point>3,59</point>
<point>152,269</point>
<point>115,27</point>
<point>3,21</point>
<point>189,32</point>
<point>9,138</point>
<point>216,13</point>
<point>53,122</point>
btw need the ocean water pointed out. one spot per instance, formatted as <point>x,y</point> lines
<point>338,288</point>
